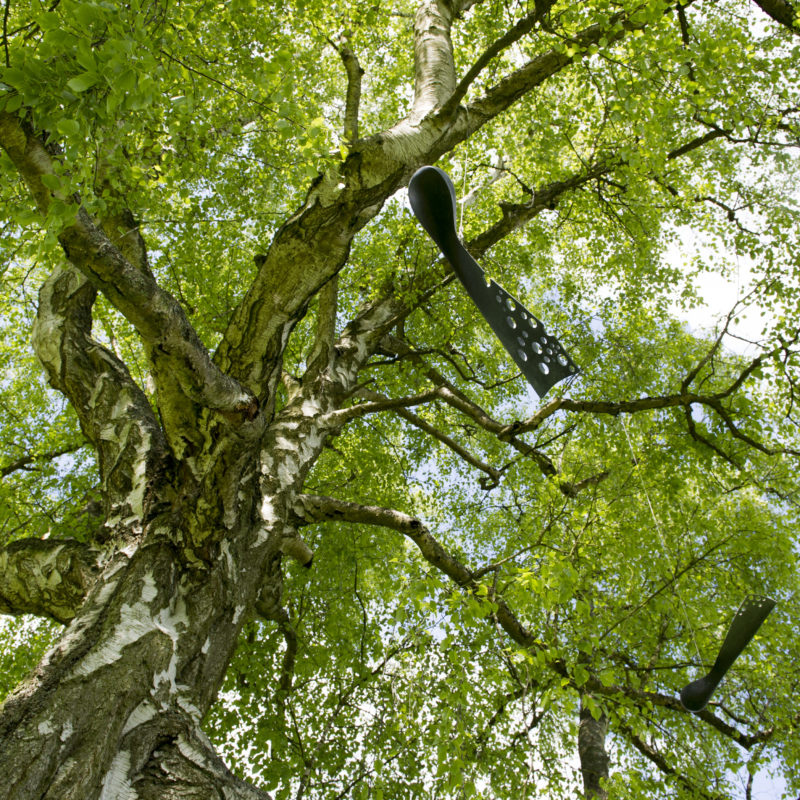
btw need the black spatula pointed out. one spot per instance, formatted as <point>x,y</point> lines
<point>752,612</point>
<point>540,356</point>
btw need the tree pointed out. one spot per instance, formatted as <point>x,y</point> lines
<point>284,499</point>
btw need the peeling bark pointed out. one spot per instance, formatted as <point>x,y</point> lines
<point>135,670</point>
<point>46,577</point>
<point>113,411</point>
<point>155,314</point>
<point>204,498</point>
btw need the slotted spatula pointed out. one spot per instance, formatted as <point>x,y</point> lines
<point>539,355</point>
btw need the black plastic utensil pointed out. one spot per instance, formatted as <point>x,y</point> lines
<point>752,612</point>
<point>540,356</point>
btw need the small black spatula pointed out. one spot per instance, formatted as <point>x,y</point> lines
<point>540,356</point>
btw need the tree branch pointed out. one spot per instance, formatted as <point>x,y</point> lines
<point>46,577</point>
<point>269,607</point>
<point>783,12</point>
<point>684,399</point>
<point>544,66</point>
<point>434,69</point>
<point>513,34</point>
<point>25,461</point>
<point>457,399</point>
<point>325,335</point>
<point>493,473</point>
<point>114,414</point>
<point>310,509</point>
<point>380,403</point>
<point>315,508</point>
<point>353,98</point>
<point>652,755</point>
<point>188,765</point>
<point>155,314</point>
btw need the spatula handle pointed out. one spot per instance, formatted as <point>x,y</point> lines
<point>749,618</point>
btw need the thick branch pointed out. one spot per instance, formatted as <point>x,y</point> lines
<point>46,577</point>
<point>269,608</point>
<point>783,12</point>
<point>434,70</point>
<point>514,34</point>
<point>353,98</point>
<point>325,335</point>
<point>306,253</point>
<point>113,411</point>
<point>601,407</point>
<point>314,508</point>
<point>380,403</point>
<point>515,215</point>
<point>544,66</point>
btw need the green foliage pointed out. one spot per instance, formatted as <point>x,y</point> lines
<point>22,643</point>
<point>211,121</point>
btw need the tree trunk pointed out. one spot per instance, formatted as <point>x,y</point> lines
<point>592,752</point>
<point>115,706</point>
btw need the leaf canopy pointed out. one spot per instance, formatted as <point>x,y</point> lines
<point>665,151</point>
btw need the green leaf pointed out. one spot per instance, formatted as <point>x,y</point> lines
<point>13,102</point>
<point>69,127</point>
<point>581,674</point>
<point>126,82</point>
<point>83,82</point>
<point>49,21</point>
<point>52,182</point>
